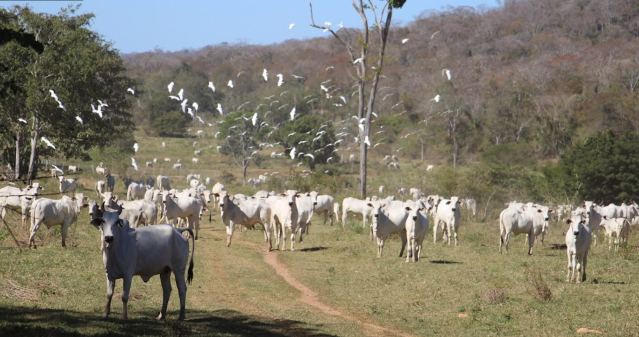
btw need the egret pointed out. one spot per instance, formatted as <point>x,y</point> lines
<point>170,86</point>
<point>48,142</point>
<point>183,104</point>
<point>404,41</point>
<point>290,134</point>
<point>432,36</point>
<point>343,99</point>
<point>265,75</point>
<point>310,156</point>
<point>292,153</point>
<point>22,120</point>
<point>230,84</point>
<point>302,142</point>
<point>190,112</point>
<point>436,98</point>
<point>293,114</point>
<point>217,134</point>
<point>131,91</point>
<point>329,159</point>
<point>135,165</point>
<point>298,77</point>
<point>136,147</point>
<point>254,119</point>
<point>200,119</point>
<point>55,97</point>
<point>211,86</point>
<point>367,141</point>
<point>79,119</point>
<point>446,72</point>
<point>98,110</point>
<point>57,168</point>
<point>358,60</point>
<point>281,80</point>
<point>102,104</point>
<point>219,108</point>
<point>195,106</point>
<point>181,94</point>
<point>323,87</point>
<point>329,67</point>
<point>175,98</point>
<point>290,26</point>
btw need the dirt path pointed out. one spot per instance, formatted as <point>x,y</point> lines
<point>310,297</point>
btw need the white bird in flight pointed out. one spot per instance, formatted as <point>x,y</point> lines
<point>102,104</point>
<point>135,165</point>
<point>293,114</point>
<point>290,26</point>
<point>281,80</point>
<point>436,98</point>
<point>183,104</point>
<point>292,153</point>
<point>22,120</point>
<point>367,141</point>
<point>57,168</point>
<point>55,97</point>
<point>200,118</point>
<point>358,60</point>
<point>195,106</point>
<point>190,112</point>
<point>404,41</point>
<point>211,86</point>
<point>265,75</point>
<point>181,94</point>
<point>48,142</point>
<point>131,91</point>
<point>98,110</point>
<point>230,84</point>
<point>219,108</point>
<point>136,147</point>
<point>310,155</point>
<point>79,119</point>
<point>170,86</point>
<point>446,72</point>
<point>254,119</point>
<point>343,99</point>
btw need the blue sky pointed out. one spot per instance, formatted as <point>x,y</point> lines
<point>144,25</point>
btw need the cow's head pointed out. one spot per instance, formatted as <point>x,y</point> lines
<point>105,222</point>
<point>575,222</point>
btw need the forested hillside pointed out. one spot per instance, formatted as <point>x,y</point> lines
<point>540,73</point>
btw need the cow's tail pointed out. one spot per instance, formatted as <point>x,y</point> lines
<point>189,275</point>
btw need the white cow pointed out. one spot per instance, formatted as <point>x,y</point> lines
<point>415,193</point>
<point>101,170</point>
<point>63,212</point>
<point>177,166</point>
<point>617,227</point>
<point>530,221</point>
<point>382,189</point>
<point>18,199</point>
<point>304,204</point>
<point>74,169</point>
<point>246,213</point>
<point>578,238</point>
<point>135,191</point>
<point>448,216</point>
<point>402,192</point>
<point>146,251</point>
<point>358,206</point>
<point>195,160</point>
<point>323,204</point>
<point>149,164</point>
<point>284,217</point>
<point>217,190</point>
<point>188,208</point>
<point>470,204</point>
<point>416,229</point>
<point>429,168</point>
<point>162,182</point>
<point>594,217</point>
<point>393,221</point>
<point>69,185</point>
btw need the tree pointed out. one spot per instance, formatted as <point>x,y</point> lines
<point>311,137</point>
<point>358,51</point>
<point>603,168</point>
<point>240,139</point>
<point>81,69</point>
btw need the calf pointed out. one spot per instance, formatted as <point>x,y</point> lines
<point>384,225</point>
<point>617,227</point>
<point>63,212</point>
<point>416,229</point>
<point>146,251</point>
<point>578,238</point>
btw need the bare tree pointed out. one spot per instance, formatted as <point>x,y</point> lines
<point>358,50</point>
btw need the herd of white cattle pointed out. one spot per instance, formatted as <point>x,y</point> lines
<point>165,249</point>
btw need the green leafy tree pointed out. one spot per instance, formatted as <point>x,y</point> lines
<point>311,136</point>
<point>240,139</point>
<point>81,69</point>
<point>604,168</point>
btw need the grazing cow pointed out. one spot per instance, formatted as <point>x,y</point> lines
<point>197,152</point>
<point>448,215</point>
<point>429,168</point>
<point>617,227</point>
<point>188,208</point>
<point>393,221</point>
<point>149,164</point>
<point>195,160</point>
<point>135,191</point>
<point>358,206</point>
<point>168,160</point>
<point>530,221</point>
<point>146,251</point>
<point>16,199</point>
<point>416,229</point>
<point>192,176</point>
<point>110,182</point>
<point>578,238</point>
<point>470,204</point>
<point>401,192</point>
<point>246,213</point>
<point>162,183</point>
<point>69,185</point>
<point>101,170</point>
<point>323,204</point>
<point>100,187</point>
<point>74,169</point>
<point>415,193</point>
<point>177,166</point>
<point>63,212</point>
<point>54,173</point>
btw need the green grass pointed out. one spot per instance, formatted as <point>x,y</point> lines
<point>53,291</point>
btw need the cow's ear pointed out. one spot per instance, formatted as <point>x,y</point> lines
<point>97,222</point>
<point>102,207</point>
<point>120,223</point>
<point>120,209</point>
<point>421,209</point>
<point>550,211</point>
<point>568,221</point>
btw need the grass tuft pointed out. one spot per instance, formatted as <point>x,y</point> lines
<point>539,289</point>
<point>496,296</point>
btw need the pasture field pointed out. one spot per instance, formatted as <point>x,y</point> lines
<point>332,285</point>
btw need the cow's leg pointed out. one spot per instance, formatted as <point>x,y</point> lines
<point>65,231</point>
<point>506,241</point>
<point>344,213</point>
<point>229,233</point>
<point>196,222</point>
<point>380,247</point>
<point>569,266</point>
<point>419,249</point>
<point>573,258</point>
<point>584,262</point>
<point>181,285</point>
<point>165,278</point>
<point>531,242</point>
<point>293,240</point>
<point>404,240</point>
<point>435,232</point>
<point>411,250</point>
<point>35,225</point>
<point>110,289</point>
<point>126,287</point>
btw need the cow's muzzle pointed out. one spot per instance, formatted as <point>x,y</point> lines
<point>415,218</point>
<point>108,239</point>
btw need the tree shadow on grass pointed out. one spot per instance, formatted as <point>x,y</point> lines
<point>313,249</point>
<point>23,321</point>
<point>444,262</point>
